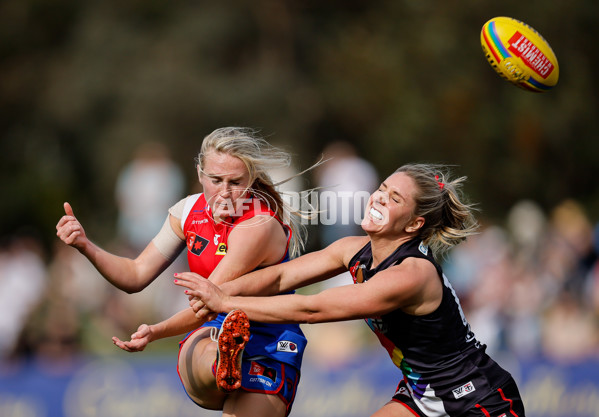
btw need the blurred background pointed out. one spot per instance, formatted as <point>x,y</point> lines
<point>99,99</point>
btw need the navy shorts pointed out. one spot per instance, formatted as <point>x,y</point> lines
<point>501,402</point>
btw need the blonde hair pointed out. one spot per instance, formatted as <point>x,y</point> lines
<point>448,219</point>
<point>259,157</point>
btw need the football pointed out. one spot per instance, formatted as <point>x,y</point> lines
<point>519,54</point>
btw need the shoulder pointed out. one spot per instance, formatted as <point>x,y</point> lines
<point>345,248</point>
<point>260,227</point>
<point>416,266</point>
<point>185,204</point>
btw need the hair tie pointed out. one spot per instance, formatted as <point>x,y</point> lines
<point>441,185</point>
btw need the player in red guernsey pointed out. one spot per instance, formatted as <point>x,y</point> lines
<point>399,289</point>
<point>233,227</point>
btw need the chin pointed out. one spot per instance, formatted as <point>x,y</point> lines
<point>369,227</point>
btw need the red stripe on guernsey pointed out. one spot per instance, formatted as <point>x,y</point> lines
<point>508,400</point>
<point>407,406</point>
<point>485,412</point>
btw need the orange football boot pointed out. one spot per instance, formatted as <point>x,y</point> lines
<point>233,336</point>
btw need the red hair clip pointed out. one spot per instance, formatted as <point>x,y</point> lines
<point>441,185</point>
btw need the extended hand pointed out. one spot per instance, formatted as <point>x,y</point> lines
<point>204,294</point>
<point>139,339</point>
<point>69,230</point>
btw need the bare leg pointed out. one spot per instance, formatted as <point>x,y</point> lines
<point>249,404</point>
<point>195,367</point>
<point>394,409</point>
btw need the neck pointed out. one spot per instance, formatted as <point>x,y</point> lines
<point>382,247</point>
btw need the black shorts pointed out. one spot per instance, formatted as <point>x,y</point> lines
<point>504,401</point>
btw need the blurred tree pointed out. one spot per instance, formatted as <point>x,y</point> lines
<point>82,83</point>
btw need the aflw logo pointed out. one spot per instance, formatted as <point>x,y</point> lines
<point>465,389</point>
<point>286,346</point>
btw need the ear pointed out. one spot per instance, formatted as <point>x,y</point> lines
<point>414,225</point>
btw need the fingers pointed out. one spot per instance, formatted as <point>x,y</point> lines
<point>68,229</point>
<point>206,315</point>
<point>197,306</point>
<point>129,346</point>
<point>68,209</point>
<point>191,285</point>
<point>121,344</point>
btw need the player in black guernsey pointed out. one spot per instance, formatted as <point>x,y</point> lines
<point>401,292</point>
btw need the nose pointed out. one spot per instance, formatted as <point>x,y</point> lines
<point>225,190</point>
<point>380,197</point>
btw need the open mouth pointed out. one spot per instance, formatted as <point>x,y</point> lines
<point>375,214</point>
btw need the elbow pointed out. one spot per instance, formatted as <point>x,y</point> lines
<point>311,318</point>
<point>132,288</point>
<point>311,313</point>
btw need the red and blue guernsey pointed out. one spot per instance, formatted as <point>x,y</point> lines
<point>207,246</point>
<point>445,368</point>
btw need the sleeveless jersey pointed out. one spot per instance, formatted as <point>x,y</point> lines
<point>445,368</point>
<point>207,246</point>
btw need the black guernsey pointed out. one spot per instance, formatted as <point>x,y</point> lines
<point>445,368</point>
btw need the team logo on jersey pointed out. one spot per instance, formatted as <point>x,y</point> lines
<point>261,370</point>
<point>221,249</point>
<point>465,389</point>
<point>377,324</point>
<point>357,273</point>
<point>423,248</point>
<point>403,391</point>
<point>196,244</point>
<point>286,346</point>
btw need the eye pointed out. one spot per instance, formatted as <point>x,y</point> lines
<point>216,180</point>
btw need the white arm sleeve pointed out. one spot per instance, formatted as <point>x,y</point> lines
<point>166,241</point>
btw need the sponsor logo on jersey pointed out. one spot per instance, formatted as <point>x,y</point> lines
<point>221,249</point>
<point>196,222</point>
<point>196,244</point>
<point>423,248</point>
<point>465,389</point>
<point>261,370</point>
<point>286,346</point>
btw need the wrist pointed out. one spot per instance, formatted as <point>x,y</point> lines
<point>228,304</point>
<point>153,332</point>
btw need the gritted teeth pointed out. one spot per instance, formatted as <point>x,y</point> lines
<point>376,214</point>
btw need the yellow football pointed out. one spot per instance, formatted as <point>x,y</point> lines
<point>519,54</point>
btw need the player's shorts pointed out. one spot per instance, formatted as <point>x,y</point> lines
<point>264,375</point>
<point>267,376</point>
<point>501,402</point>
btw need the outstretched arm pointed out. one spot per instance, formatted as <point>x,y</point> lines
<point>180,323</point>
<point>305,270</point>
<point>414,286</point>
<point>129,275</point>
